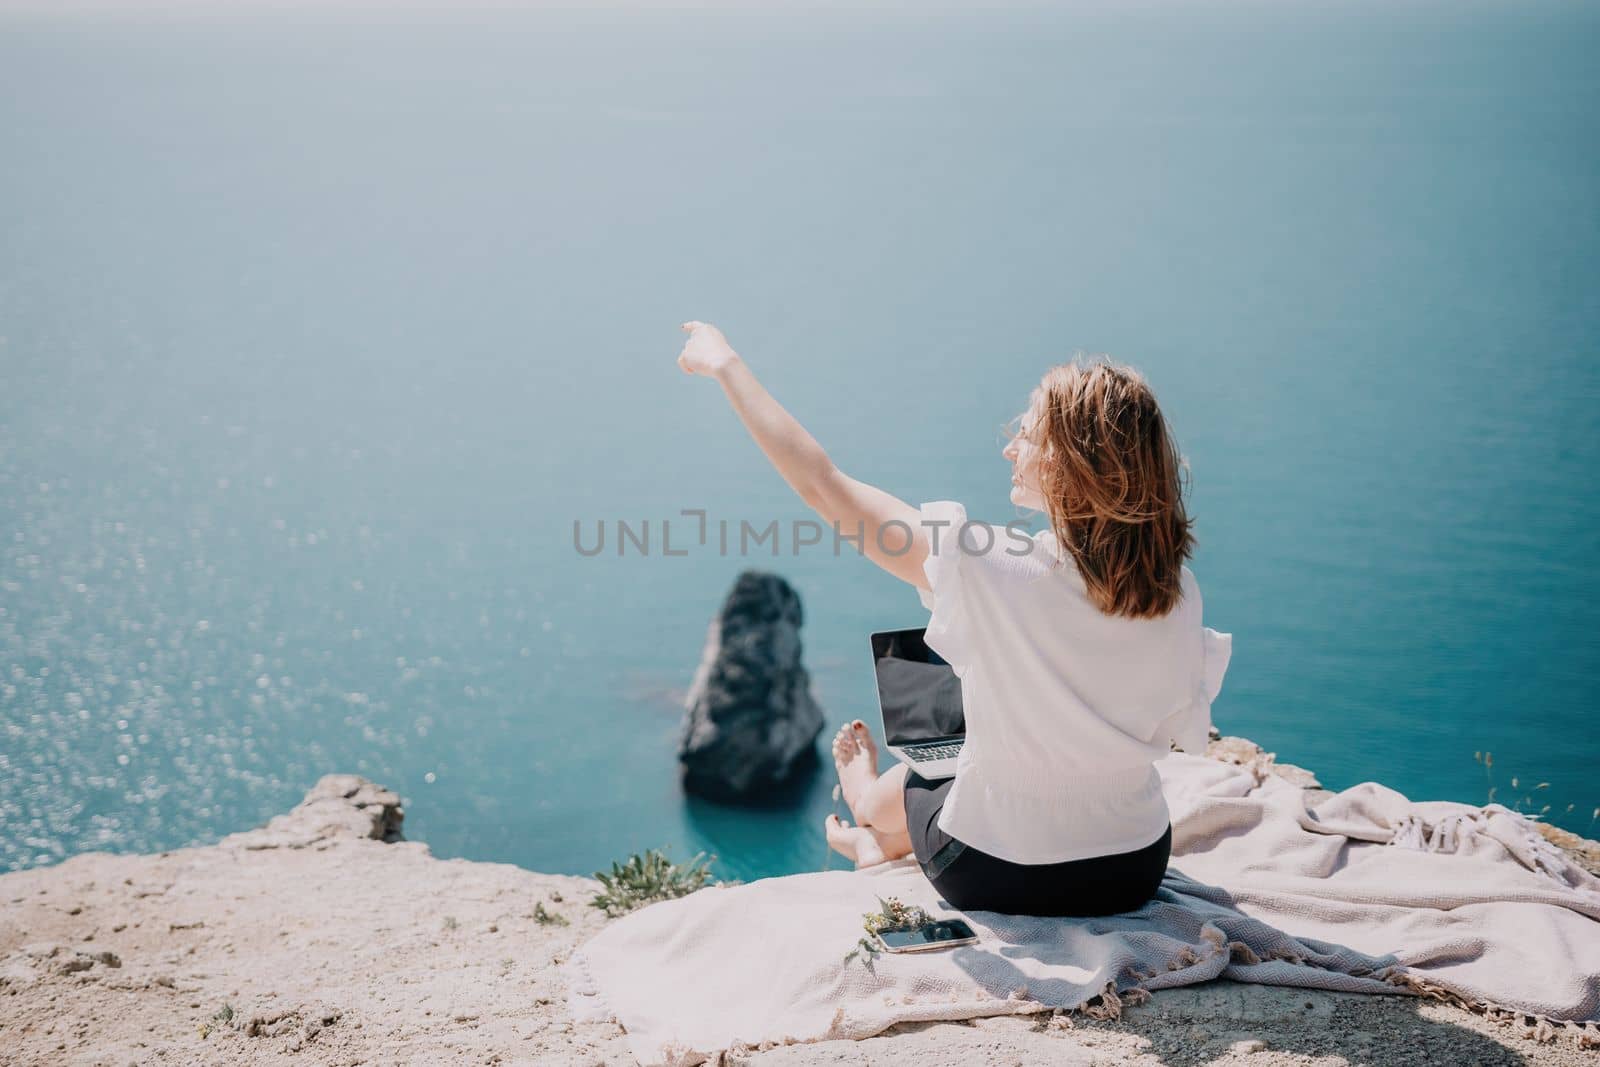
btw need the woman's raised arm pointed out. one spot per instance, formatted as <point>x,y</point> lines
<point>890,530</point>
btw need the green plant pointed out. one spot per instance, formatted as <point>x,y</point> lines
<point>548,918</point>
<point>221,1017</point>
<point>891,915</point>
<point>450,922</point>
<point>645,878</point>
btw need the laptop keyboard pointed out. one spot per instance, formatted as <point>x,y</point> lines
<point>929,753</point>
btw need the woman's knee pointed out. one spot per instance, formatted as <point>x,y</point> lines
<point>886,801</point>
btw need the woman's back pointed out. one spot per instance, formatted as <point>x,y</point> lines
<point>1067,707</point>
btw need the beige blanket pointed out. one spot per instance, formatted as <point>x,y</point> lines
<point>1368,892</point>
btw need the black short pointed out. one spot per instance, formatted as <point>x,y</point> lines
<point>969,879</point>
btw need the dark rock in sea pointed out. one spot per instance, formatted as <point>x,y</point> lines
<point>751,724</point>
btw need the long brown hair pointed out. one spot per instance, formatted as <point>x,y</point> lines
<point>1113,483</point>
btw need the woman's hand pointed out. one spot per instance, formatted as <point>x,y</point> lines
<point>706,352</point>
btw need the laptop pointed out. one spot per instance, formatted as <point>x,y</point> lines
<point>920,698</point>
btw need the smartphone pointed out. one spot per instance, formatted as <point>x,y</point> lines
<point>945,933</point>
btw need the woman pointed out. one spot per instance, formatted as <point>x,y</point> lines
<point>1080,649</point>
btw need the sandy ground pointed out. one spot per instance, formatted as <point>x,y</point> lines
<point>312,941</point>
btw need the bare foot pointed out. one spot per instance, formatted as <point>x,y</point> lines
<point>855,756</point>
<point>852,842</point>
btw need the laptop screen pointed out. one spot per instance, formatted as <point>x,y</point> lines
<point>918,691</point>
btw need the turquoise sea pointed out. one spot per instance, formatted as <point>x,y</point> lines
<point>320,328</point>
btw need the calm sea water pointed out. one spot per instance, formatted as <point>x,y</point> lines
<point>318,332</point>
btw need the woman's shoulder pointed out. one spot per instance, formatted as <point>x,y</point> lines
<point>1188,582</point>
<point>953,532</point>
<point>1033,556</point>
<point>1189,592</point>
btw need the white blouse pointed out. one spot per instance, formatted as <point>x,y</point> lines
<point>1067,708</point>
